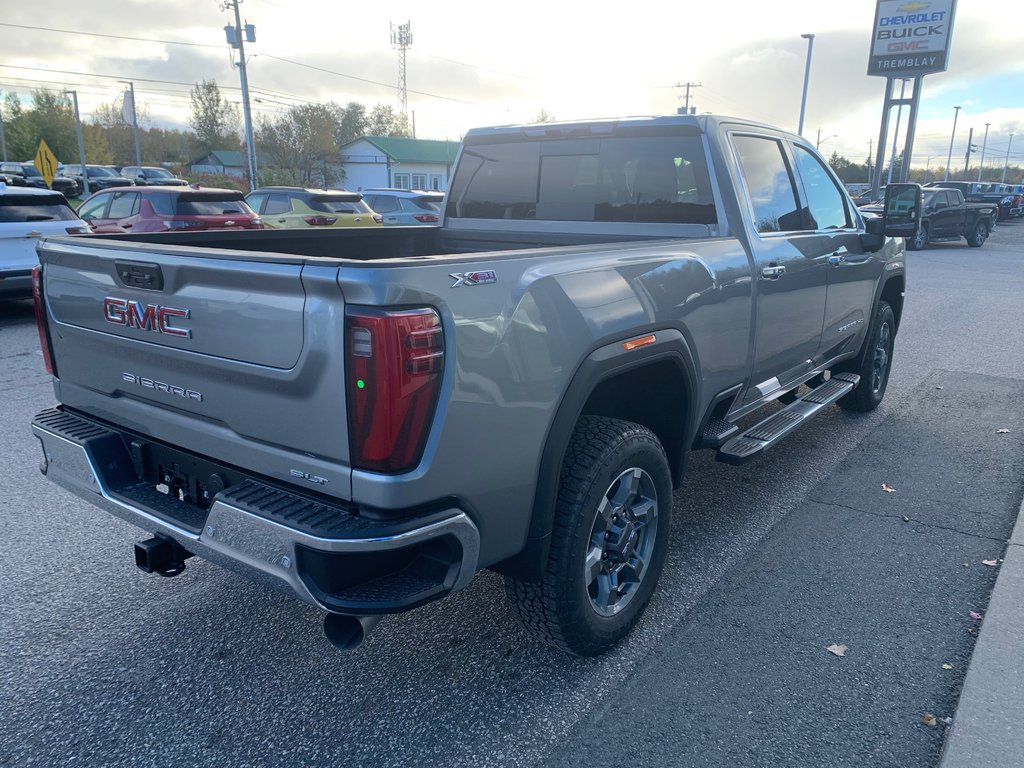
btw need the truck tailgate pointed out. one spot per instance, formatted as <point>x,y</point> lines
<point>237,363</point>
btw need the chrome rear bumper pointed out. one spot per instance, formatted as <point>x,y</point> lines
<point>82,457</point>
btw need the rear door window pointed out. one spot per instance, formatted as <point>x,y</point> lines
<point>384,203</point>
<point>124,205</point>
<point>769,184</point>
<point>278,204</point>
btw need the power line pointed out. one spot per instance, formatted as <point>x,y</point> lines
<point>114,37</point>
<point>371,82</point>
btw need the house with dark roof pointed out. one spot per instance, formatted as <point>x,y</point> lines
<point>392,161</point>
<point>227,161</point>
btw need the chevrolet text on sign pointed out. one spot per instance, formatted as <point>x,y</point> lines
<point>911,37</point>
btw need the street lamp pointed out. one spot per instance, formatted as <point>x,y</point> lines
<point>984,144</point>
<point>949,158</point>
<point>820,141</point>
<point>81,144</point>
<point>807,77</point>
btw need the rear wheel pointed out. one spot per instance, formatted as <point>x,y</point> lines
<point>612,519</point>
<point>979,235</point>
<point>874,364</point>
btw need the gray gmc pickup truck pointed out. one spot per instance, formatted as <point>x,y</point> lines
<point>366,418</point>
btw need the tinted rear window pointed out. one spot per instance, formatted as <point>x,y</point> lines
<point>661,179</point>
<point>432,204</point>
<point>200,204</point>
<point>339,204</point>
<point>35,208</point>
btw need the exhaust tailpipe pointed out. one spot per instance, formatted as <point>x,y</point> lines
<point>346,633</point>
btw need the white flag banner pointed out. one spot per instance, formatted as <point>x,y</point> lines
<point>128,108</point>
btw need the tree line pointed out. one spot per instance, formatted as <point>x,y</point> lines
<point>300,145</point>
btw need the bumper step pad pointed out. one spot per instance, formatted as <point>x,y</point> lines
<point>758,438</point>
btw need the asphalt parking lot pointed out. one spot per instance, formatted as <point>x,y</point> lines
<point>769,563</point>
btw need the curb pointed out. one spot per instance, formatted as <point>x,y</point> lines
<point>988,726</point>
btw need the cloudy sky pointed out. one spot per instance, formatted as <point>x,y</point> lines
<point>478,63</point>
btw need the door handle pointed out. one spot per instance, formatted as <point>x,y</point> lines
<point>282,221</point>
<point>772,272</point>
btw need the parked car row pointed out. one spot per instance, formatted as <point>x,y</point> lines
<point>1010,203</point>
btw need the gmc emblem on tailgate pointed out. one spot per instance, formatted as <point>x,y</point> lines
<point>148,317</point>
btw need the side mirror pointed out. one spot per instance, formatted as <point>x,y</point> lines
<point>902,217</point>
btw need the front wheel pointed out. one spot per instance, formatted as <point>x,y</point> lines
<point>612,520</point>
<point>979,235</point>
<point>919,240</point>
<point>874,364</point>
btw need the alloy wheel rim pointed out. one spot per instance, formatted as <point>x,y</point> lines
<point>621,542</point>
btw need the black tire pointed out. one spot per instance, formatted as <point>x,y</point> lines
<point>873,364</point>
<point>605,458</point>
<point>979,235</point>
<point>918,241</point>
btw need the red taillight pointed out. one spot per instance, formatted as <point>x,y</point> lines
<point>320,221</point>
<point>426,218</point>
<point>83,230</point>
<point>41,325</point>
<point>395,360</point>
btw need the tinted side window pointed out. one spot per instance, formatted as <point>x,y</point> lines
<point>769,185</point>
<point>278,204</point>
<point>93,209</point>
<point>123,205</point>
<point>384,204</point>
<point>256,201</point>
<point>825,201</point>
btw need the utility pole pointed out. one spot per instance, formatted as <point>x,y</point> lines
<point>401,39</point>
<point>984,146</point>
<point>135,120</point>
<point>1005,164</point>
<point>237,39</point>
<point>949,157</point>
<point>871,148</point>
<point>686,99</point>
<point>807,78</point>
<point>81,144</point>
<point>967,155</point>
<point>3,140</point>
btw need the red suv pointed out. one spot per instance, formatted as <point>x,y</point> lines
<point>160,209</point>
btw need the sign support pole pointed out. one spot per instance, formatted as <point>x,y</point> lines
<point>883,135</point>
<point>908,146</point>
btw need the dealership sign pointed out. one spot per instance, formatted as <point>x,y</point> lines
<point>911,37</point>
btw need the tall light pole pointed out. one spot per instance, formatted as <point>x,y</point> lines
<point>807,77</point>
<point>81,144</point>
<point>984,144</point>
<point>3,140</point>
<point>949,157</point>
<point>236,38</point>
<point>896,134</point>
<point>135,121</point>
<point>1005,164</point>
